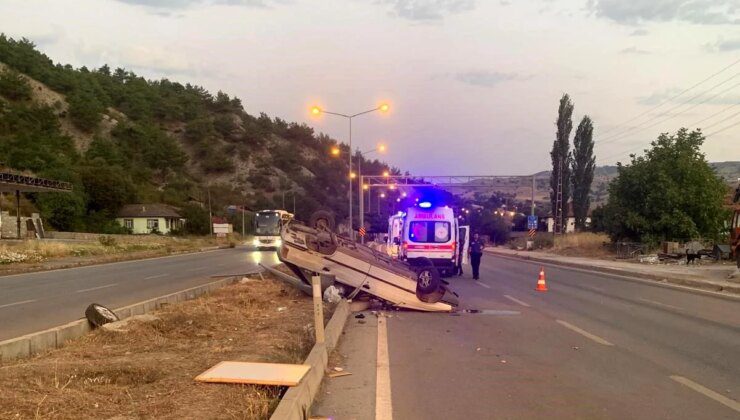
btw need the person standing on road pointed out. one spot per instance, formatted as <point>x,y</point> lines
<point>476,252</point>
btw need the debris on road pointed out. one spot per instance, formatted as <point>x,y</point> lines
<point>99,315</point>
<point>279,374</point>
<point>360,316</point>
<point>333,294</point>
<point>338,374</point>
<point>338,369</point>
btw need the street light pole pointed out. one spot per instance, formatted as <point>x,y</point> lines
<point>316,111</point>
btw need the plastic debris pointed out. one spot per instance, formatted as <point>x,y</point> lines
<point>332,294</point>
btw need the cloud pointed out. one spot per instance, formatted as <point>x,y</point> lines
<point>634,50</point>
<point>692,97</point>
<point>486,78</point>
<point>184,4</point>
<point>725,45</point>
<point>429,10</point>
<point>639,32</point>
<point>704,12</point>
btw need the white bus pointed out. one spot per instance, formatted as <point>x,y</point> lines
<point>267,225</point>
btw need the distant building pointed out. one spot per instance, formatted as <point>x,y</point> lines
<point>149,218</point>
<point>570,224</point>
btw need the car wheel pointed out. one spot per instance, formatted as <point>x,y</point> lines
<point>99,315</point>
<point>427,280</point>
<point>322,220</point>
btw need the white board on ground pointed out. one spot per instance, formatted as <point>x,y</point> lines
<point>254,373</point>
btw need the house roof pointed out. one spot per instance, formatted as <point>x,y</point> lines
<point>148,210</point>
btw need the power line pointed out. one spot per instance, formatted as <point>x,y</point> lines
<point>723,129</point>
<point>721,121</point>
<point>638,129</point>
<point>672,98</point>
<point>696,124</point>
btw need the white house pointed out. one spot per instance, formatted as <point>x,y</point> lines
<point>148,218</point>
<point>570,224</point>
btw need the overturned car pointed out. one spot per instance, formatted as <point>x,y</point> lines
<point>306,250</point>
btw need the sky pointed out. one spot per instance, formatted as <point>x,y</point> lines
<point>473,85</point>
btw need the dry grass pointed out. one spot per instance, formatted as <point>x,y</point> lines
<point>582,244</point>
<point>147,372</point>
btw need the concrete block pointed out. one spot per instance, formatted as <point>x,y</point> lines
<point>150,305</point>
<point>72,330</point>
<point>15,348</point>
<point>43,341</point>
<point>124,312</point>
<point>137,309</point>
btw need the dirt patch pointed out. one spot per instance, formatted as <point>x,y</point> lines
<point>147,371</point>
<point>583,244</point>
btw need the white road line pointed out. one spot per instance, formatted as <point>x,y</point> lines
<point>17,303</point>
<point>707,392</point>
<point>660,304</point>
<point>383,406</point>
<point>157,276</point>
<point>483,284</point>
<point>515,300</point>
<point>584,333</point>
<point>96,288</point>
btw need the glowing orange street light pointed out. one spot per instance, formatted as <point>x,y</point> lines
<point>381,148</point>
<point>366,187</point>
<point>382,195</point>
<point>384,107</point>
<point>335,151</point>
<point>386,174</point>
<point>352,175</point>
<point>315,110</point>
<point>393,187</point>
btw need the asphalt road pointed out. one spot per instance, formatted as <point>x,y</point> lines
<point>594,346</point>
<point>36,301</point>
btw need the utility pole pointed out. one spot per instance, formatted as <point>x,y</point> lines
<point>534,185</point>
<point>243,210</point>
<point>558,228</point>
<point>210,211</point>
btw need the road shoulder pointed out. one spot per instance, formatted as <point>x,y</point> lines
<point>654,273</point>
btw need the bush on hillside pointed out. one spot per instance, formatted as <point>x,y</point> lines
<point>14,86</point>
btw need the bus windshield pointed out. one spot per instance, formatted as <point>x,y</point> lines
<point>267,224</point>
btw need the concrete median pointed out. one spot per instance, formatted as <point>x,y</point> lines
<point>296,403</point>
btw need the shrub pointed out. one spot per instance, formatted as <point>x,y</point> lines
<point>107,241</point>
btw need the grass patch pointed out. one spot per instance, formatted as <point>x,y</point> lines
<point>582,244</point>
<point>147,371</point>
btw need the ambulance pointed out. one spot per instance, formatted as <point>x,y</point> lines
<point>428,232</point>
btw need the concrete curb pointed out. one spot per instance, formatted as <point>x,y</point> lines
<point>296,403</point>
<point>35,343</point>
<point>696,284</point>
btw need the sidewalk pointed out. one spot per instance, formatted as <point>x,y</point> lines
<point>709,277</point>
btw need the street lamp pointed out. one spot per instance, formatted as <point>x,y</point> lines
<point>316,110</point>
<point>380,149</point>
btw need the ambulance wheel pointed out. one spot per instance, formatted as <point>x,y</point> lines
<point>322,219</point>
<point>427,279</point>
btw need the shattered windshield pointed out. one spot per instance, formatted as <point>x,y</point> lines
<point>267,224</point>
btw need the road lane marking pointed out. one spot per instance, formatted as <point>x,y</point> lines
<point>96,288</point>
<point>483,284</point>
<point>584,333</point>
<point>515,300</point>
<point>654,302</point>
<point>157,276</point>
<point>383,406</point>
<point>707,392</point>
<point>17,303</point>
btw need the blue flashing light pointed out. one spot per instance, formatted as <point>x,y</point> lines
<point>425,204</point>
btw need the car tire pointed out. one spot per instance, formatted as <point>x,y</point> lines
<point>428,279</point>
<point>98,315</point>
<point>322,220</point>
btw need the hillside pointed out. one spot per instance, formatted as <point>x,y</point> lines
<point>121,138</point>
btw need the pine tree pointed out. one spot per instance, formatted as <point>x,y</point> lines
<point>583,170</point>
<point>561,157</point>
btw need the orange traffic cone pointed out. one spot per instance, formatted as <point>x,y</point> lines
<point>541,285</point>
